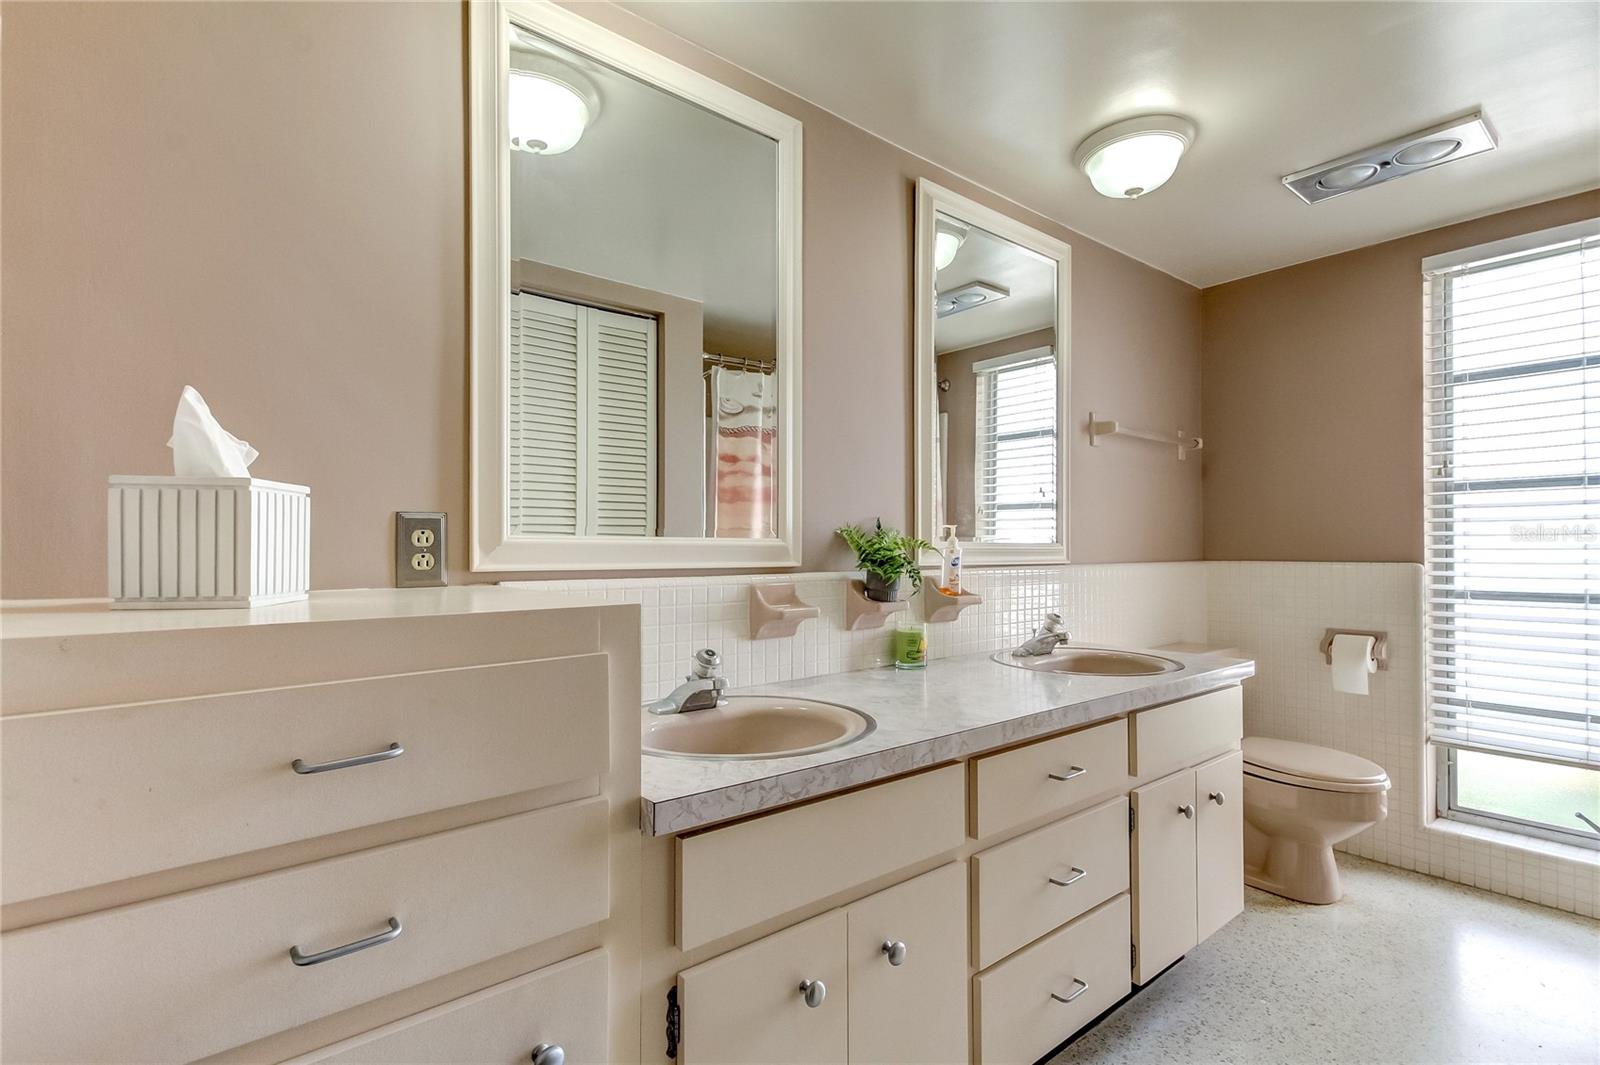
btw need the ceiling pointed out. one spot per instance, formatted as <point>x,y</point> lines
<point>1029,279</point>
<point>1002,93</point>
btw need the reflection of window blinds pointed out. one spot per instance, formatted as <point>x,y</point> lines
<point>1014,453</point>
<point>581,449</point>
<point>1513,496</point>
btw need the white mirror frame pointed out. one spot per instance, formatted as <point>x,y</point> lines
<point>933,200</point>
<point>493,548</point>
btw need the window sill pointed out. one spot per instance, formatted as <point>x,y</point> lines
<point>1547,848</point>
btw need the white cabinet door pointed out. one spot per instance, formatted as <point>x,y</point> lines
<point>908,971</point>
<point>1219,842</point>
<point>747,1005</point>
<point>1164,925</point>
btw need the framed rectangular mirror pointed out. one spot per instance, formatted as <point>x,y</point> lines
<point>635,306</point>
<point>992,381</point>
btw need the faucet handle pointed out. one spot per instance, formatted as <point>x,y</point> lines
<point>1052,625</point>
<point>706,663</point>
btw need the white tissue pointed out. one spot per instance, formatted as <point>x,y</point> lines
<point>1352,663</point>
<point>203,448</point>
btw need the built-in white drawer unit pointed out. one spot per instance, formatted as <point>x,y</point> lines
<point>735,877</point>
<point>99,795</point>
<point>1039,997</point>
<point>1052,776</point>
<point>1030,885</point>
<point>187,975</point>
<point>555,1014</point>
<point>1167,738</point>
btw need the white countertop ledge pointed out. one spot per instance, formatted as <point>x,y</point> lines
<point>953,708</point>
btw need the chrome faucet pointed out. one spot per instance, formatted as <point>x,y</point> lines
<point>702,689</point>
<point>1052,633</point>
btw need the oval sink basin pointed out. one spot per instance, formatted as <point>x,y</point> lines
<point>755,726</point>
<point>1093,661</point>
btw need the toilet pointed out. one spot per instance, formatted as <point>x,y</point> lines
<point>1300,800</point>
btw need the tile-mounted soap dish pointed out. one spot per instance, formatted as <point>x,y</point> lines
<point>776,610</point>
<point>939,605</point>
<point>863,613</point>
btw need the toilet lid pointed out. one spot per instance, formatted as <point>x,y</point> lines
<point>1310,766</point>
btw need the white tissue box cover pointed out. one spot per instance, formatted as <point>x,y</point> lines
<point>188,542</point>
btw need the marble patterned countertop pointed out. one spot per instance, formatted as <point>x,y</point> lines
<point>952,709</point>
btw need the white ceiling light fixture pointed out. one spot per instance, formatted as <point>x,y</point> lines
<point>948,236</point>
<point>1129,159</point>
<point>973,294</point>
<point>1456,139</point>
<point>549,105</point>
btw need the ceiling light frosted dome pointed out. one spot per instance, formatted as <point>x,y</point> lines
<point>948,236</point>
<point>1128,159</point>
<point>548,110</point>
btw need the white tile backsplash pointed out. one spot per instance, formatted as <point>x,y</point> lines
<point>1276,613</point>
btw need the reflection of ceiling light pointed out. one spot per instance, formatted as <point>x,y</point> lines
<point>948,236</point>
<point>549,105</point>
<point>1130,158</point>
<point>1385,162</point>
<point>975,294</point>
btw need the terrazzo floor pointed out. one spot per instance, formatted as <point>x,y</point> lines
<point>1406,969</point>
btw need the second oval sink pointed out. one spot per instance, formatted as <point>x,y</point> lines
<point>755,726</point>
<point>1093,661</point>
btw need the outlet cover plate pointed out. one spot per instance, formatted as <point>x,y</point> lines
<point>419,549</point>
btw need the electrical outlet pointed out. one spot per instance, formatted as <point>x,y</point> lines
<point>418,549</point>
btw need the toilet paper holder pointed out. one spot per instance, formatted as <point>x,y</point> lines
<point>1380,644</point>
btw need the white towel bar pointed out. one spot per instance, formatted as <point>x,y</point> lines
<point>1184,442</point>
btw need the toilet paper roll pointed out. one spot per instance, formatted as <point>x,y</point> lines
<point>1352,663</point>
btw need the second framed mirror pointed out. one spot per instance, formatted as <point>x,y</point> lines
<point>993,376</point>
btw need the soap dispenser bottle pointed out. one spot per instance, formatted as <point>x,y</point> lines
<point>950,572</point>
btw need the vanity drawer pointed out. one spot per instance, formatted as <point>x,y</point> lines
<point>563,1004</point>
<point>1019,785</point>
<point>1018,1020</point>
<point>188,975</point>
<point>96,796</point>
<point>1179,735</point>
<point>1018,899</point>
<point>735,877</point>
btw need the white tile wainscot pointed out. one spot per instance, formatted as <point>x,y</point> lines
<point>1275,613</point>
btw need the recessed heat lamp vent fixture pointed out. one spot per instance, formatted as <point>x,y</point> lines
<point>975,294</point>
<point>1445,143</point>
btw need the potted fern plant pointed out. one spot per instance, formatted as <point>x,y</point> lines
<point>885,556</point>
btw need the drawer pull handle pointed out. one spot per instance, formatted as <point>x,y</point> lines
<point>549,1054</point>
<point>814,991</point>
<point>1218,797</point>
<point>1187,810</point>
<point>895,951</point>
<point>394,750</point>
<point>349,948</point>
<point>1072,773</point>
<point>1077,875</point>
<point>1082,987</point>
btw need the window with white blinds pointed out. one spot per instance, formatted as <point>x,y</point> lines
<point>1512,438</point>
<point>1014,454</point>
<point>581,394</point>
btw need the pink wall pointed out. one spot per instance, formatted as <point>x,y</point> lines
<point>268,201</point>
<point>1313,398</point>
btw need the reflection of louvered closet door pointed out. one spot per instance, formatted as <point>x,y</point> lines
<point>581,389</point>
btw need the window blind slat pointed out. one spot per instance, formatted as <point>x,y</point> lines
<point>1512,517</point>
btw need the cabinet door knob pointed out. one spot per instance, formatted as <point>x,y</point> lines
<point>1218,797</point>
<point>549,1054</point>
<point>895,951</point>
<point>1073,772</point>
<point>813,991</point>
<point>1081,988</point>
<point>1077,875</point>
<point>1187,810</point>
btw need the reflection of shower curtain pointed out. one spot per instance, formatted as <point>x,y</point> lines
<point>743,430</point>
